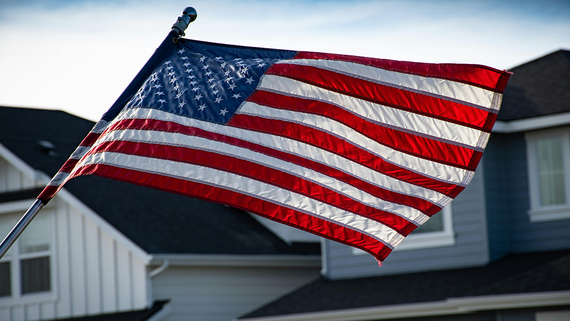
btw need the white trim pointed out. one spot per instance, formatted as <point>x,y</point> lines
<point>20,165</point>
<point>427,240</point>
<point>237,260</point>
<point>447,307</point>
<point>531,123</point>
<point>537,212</point>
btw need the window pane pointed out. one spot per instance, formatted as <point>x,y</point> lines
<point>35,275</point>
<point>5,288</point>
<point>551,171</point>
<point>37,235</point>
<point>434,224</point>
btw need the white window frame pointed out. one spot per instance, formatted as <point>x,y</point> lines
<point>427,239</point>
<point>12,211</point>
<point>538,213</point>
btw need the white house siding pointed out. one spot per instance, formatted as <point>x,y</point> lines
<point>92,272</point>
<point>209,293</point>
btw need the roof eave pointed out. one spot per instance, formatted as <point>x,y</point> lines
<point>451,306</point>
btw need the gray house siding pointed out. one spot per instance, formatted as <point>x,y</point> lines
<point>496,182</point>
<point>470,248</point>
<point>507,198</point>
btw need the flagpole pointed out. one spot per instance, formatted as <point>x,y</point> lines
<point>188,15</point>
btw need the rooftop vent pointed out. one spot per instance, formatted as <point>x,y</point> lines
<point>47,147</point>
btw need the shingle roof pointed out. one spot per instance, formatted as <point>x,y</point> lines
<point>538,88</point>
<point>157,221</point>
<point>139,315</point>
<point>520,273</point>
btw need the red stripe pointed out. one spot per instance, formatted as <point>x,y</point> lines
<point>389,96</point>
<point>48,193</point>
<point>264,174</point>
<point>450,190</point>
<point>476,75</point>
<point>90,139</point>
<point>401,141</point>
<point>264,208</point>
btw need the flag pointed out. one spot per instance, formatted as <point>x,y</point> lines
<point>358,150</point>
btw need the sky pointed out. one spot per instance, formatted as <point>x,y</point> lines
<point>78,56</point>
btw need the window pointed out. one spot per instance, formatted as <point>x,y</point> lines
<point>548,155</point>
<point>25,269</point>
<point>436,232</point>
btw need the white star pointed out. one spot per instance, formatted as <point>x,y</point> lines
<point>218,100</point>
<point>261,65</point>
<point>223,112</point>
<point>258,60</point>
<point>232,86</point>
<point>181,51</point>
<point>212,86</point>
<point>162,101</point>
<point>238,59</point>
<point>219,58</point>
<point>181,104</point>
<point>173,80</point>
<point>202,58</point>
<point>179,95</point>
<point>229,79</point>
<point>202,107</point>
<point>215,92</point>
<point>210,80</point>
<point>172,73</point>
<point>209,73</point>
<point>176,87</point>
<point>169,68</point>
<point>191,77</point>
<point>206,67</point>
<point>227,73</point>
<point>160,93</point>
<point>186,64</point>
<point>195,89</point>
<point>157,86</point>
<point>244,69</point>
<point>184,58</point>
<point>236,96</point>
<point>223,65</point>
<point>249,80</point>
<point>189,70</point>
<point>198,97</point>
<point>194,82</point>
<point>168,62</point>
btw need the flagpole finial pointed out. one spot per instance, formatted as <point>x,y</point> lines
<point>188,15</point>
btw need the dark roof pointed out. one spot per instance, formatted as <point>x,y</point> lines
<point>538,88</point>
<point>139,315</point>
<point>520,273</point>
<point>157,221</point>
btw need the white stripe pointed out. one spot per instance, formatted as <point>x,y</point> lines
<point>426,85</point>
<point>431,169</point>
<point>403,120</point>
<point>338,129</point>
<point>99,127</point>
<point>79,152</point>
<point>58,179</point>
<point>250,187</point>
<point>194,142</point>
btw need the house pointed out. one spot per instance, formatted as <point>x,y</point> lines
<point>500,251</point>
<point>108,250</point>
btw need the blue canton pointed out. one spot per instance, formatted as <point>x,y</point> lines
<point>205,81</point>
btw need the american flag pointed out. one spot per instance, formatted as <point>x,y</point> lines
<point>358,150</point>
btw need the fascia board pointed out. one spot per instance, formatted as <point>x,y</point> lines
<point>534,123</point>
<point>448,307</point>
<point>237,260</point>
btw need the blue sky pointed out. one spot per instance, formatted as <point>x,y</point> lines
<point>79,55</point>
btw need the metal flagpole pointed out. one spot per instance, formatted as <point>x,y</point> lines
<point>188,15</point>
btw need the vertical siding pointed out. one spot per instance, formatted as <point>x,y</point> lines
<point>224,293</point>
<point>526,236</point>
<point>470,248</point>
<point>92,272</point>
